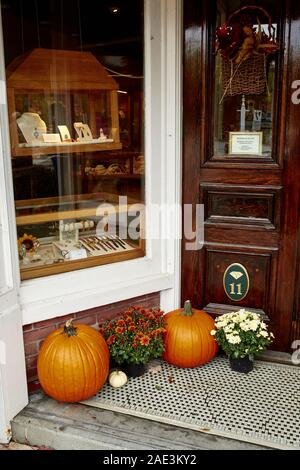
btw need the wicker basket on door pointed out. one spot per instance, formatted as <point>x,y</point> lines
<point>247,76</point>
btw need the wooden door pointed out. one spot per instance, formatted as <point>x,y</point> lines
<point>251,202</point>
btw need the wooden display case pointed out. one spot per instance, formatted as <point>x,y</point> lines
<point>62,88</point>
<point>31,213</point>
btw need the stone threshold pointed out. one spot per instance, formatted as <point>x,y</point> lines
<point>47,423</point>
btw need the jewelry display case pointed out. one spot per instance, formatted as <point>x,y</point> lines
<point>61,102</point>
<point>69,165</point>
<point>72,233</point>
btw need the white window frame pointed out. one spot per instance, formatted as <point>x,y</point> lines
<point>13,383</point>
<point>159,270</point>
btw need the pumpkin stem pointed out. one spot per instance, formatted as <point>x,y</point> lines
<point>187,310</point>
<point>70,329</point>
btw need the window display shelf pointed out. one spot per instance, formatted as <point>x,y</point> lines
<point>53,112</point>
<point>113,176</point>
<point>64,215</point>
<point>67,266</point>
<point>63,148</point>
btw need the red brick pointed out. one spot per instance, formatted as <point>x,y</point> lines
<point>31,348</point>
<point>27,327</point>
<point>31,361</point>
<point>85,313</point>
<point>31,373</point>
<point>35,335</point>
<point>64,318</point>
<point>87,320</point>
<point>103,317</point>
<point>34,386</point>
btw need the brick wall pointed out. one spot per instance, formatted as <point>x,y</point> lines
<point>35,334</point>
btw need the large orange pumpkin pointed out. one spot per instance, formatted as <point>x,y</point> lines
<point>188,342</point>
<point>73,363</point>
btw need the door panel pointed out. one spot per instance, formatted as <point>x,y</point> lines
<point>251,202</point>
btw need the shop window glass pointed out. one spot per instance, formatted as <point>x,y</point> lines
<point>245,70</point>
<point>75,87</point>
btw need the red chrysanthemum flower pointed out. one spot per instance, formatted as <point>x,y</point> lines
<point>145,340</point>
<point>120,330</point>
<point>132,328</point>
<point>111,339</point>
<point>120,323</point>
<point>101,331</point>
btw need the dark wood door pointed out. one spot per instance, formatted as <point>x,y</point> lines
<point>251,202</point>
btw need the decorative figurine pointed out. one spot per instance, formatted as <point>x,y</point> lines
<point>103,137</point>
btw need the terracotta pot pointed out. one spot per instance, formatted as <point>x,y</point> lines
<point>243,365</point>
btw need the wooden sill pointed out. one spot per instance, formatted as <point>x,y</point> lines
<point>68,266</point>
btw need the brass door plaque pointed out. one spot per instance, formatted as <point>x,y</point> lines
<point>236,282</point>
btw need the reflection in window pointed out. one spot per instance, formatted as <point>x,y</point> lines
<point>75,85</point>
<point>245,68</point>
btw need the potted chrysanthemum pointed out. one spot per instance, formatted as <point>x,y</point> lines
<point>135,338</point>
<point>242,335</point>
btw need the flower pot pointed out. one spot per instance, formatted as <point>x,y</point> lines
<point>134,370</point>
<point>243,365</point>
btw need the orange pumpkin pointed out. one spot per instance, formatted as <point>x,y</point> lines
<point>73,363</point>
<point>188,342</point>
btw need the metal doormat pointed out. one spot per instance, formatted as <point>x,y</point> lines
<point>262,407</point>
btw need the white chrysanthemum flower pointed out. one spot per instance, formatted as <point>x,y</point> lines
<point>253,325</point>
<point>264,334</point>
<point>242,315</point>
<point>213,332</point>
<point>228,329</point>
<point>244,325</point>
<point>233,339</point>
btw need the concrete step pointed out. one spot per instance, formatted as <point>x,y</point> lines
<point>45,422</point>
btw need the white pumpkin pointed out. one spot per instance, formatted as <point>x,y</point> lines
<point>117,378</point>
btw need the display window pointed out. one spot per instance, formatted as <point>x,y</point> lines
<point>75,89</point>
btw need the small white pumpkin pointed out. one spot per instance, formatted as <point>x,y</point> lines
<point>117,378</point>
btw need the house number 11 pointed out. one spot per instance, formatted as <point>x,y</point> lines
<point>239,289</point>
<point>236,282</point>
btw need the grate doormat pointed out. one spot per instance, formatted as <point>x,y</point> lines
<point>262,407</point>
